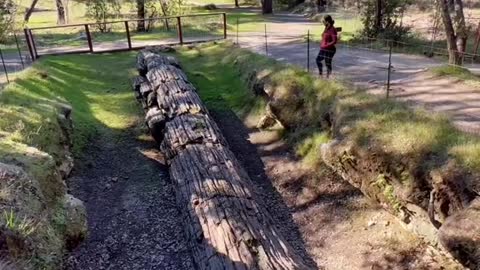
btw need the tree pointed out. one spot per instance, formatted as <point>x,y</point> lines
<point>101,11</point>
<point>60,12</point>
<point>267,6</point>
<point>8,10</point>
<point>455,29</point>
<point>141,15</point>
<point>322,5</point>
<point>30,10</point>
<point>383,18</point>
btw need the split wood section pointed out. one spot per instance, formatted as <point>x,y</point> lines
<point>225,225</point>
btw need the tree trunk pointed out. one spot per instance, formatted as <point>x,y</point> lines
<point>30,10</point>
<point>226,226</point>
<point>163,6</point>
<point>267,6</point>
<point>477,40</point>
<point>461,31</point>
<point>378,16</point>
<point>67,12</point>
<point>141,15</point>
<point>236,4</point>
<point>455,55</point>
<point>60,12</point>
<point>322,5</point>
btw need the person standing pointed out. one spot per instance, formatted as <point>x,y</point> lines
<point>327,46</point>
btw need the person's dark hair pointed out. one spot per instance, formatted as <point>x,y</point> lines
<point>329,19</point>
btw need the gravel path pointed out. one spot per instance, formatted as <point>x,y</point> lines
<point>132,215</point>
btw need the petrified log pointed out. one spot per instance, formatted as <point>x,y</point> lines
<point>178,102</point>
<point>147,60</point>
<point>136,85</point>
<point>226,227</point>
<point>189,129</point>
<point>155,120</point>
<point>165,73</point>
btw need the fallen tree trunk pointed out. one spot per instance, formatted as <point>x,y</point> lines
<point>225,225</point>
<point>190,129</point>
<point>227,229</point>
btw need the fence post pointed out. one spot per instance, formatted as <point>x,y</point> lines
<point>129,40</point>
<point>33,43</point>
<point>89,37</point>
<point>389,70</point>
<point>29,44</point>
<point>180,33</point>
<point>19,51</point>
<point>308,50</point>
<point>224,25</point>
<point>266,42</point>
<point>237,32</point>
<point>4,66</point>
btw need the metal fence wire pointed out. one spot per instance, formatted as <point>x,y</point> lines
<point>14,57</point>
<point>123,35</point>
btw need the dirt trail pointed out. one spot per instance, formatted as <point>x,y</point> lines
<point>333,221</point>
<point>132,215</point>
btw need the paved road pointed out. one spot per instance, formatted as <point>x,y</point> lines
<point>368,68</point>
<point>13,65</point>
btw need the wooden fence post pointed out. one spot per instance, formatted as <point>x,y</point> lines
<point>180,33</point>
<point>34,47</point>
<point>29,44</point>
<point>224,25</point>
<point>127,29</point>
<point>89,37</point>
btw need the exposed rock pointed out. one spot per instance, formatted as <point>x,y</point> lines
<point>460,234</point>
<point>76,221</point>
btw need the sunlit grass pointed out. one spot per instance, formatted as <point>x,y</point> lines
<point>100,98</point>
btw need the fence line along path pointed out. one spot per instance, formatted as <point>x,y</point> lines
<point>226,226</point>
<point>113,36</point>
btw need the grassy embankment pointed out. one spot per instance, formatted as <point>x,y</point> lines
<point>459,73</point>
<point>370,119</point>
<point>98,89</point>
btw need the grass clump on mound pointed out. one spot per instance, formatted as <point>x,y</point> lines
<point>457,72</point>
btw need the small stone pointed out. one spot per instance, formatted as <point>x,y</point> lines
<point>108,186</point>
<point>114,179</point>
<point>387,223</point>
<point>371,223</point>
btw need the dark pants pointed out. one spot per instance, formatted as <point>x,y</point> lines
<point>327,55</point>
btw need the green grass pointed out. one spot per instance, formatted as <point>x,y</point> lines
<point>226,91</point>
<point>456,72</point>
<point>100,98</point>
<point>247,22</point>
<point>98,89</point>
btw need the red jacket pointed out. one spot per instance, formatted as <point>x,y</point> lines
<point>329,38</point>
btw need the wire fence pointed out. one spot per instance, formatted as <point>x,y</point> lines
<point>14,57</point>
<point>113,36</point>
<point>380,62</point>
